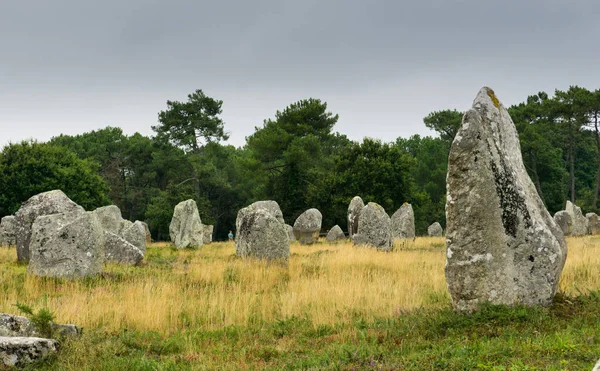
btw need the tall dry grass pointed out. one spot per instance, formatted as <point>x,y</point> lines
<point>210,288</point>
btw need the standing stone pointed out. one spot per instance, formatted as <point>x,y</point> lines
<point>580,227</point>
<point>374,228</point>
<point>335,234</point>
<point>272,207</point>
<point>435,230</point>
<point>593,223</point>
<point>308,226</point>
<point>7,231</point>
<point>208,233</point>
<point>111,219</point>
<point>403,222</point>
<point>22,351</point>
<point>564,221</point>
<point>69,245</point>
<point>186,227</point>
<point>290,231</point>
<point>148,235</point>
<point>261,235</point>
<point>118,250</point>
<point>47,203</point>
<point>503,247</point>
<point>135,234</point>
<point>354,209</point>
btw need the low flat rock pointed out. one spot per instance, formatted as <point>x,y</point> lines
<point>335,234</point>
<point>354,209</point>
<point>374,228</point>
<point>435,230</point>
<point>22,351</point>
<point>18,326</point>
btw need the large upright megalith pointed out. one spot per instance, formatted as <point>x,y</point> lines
<point>262,233</point>
<point>403,222</point>
<point>354,209</point>
<point>503,247</point>
<point>47,203</point>
<point>580,222</point>
<point>307,227</point>
<point>374,228</point>
<point>186,228</point>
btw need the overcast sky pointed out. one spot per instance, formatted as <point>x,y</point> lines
<point>71,66</point>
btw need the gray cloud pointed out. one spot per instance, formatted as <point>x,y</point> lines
<point>70,66</point>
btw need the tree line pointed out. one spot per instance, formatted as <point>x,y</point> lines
<point>297,159</point>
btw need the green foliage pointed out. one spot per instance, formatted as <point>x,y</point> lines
<point>42,320</point>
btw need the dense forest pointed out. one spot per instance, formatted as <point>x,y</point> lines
<point>297,159</point>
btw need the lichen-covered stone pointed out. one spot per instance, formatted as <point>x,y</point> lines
<point>272,207</point>
<point>208,233</point>
<point>564,221</point>
<point>403,222</point>
<point>374,228</point>
<point>18,326</point>
<point>7,231</point>
<point>503,247</point>
<point>69,245</point>
<point>435,230</point>
<point>308,226</point>
<point>335,234</point>
<point>580,222</point>
<point>593,223</point>
<point>261,235</point>
<point>290,231</point>
<point>119,250</point>
<point>22,351</point>
<point>135,234</point>
<point>186,227</point>
<point>47,203</point>
<point>354,209</point>
<point>110,218</point>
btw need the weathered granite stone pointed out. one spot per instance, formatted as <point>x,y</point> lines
<point>580,227</point>
<point>435,230</point>
<point>7,231</point>
<point>148,235</point>
<point>17,326</point>
<point>21,351</point>
<point>186,227</point>
<point>119,250</point>
<point>272,207</point>
<point>110,218</point>
<point>260,235</point>
<point>307,227</point>
<point>135,234</point>
<point>374,228</point>
<point>403,222</point>
<point>69,245</point>
<point>354,209</point>
<point>290,231</point>
<point>564,221</point>
<point>208,233</point>
<point>593,223</point>
<point>335,234</point>
<point>503,247</point>
<point>47,203</point>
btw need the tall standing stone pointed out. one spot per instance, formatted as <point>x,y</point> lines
<point>580,222</point>
<point>503,247</point>
<point>47,203</point>
<point>307,226</point>
<point>435,230</point>
<point>7,231</point>
<point>593,223</point>
<point>354,209</point>
<point>186,227</point>
<point>564,221</point>
<point>261,233</point>
<point>208,233</point>
<point>374,228</point>
<point>403,222</point>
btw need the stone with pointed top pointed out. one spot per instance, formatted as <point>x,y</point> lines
<point>403,222</point>
<point>374,228</point>
<point>435,230</point>
<point>335,234</point>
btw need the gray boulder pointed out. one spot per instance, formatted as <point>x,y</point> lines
<point>564,221</point>
<point>307,227</point>
<point>208,233</point>
<point>262,236</point>
<point>335,234</point>
<point>580,222</point>
<point>503,247</point>
<point>7,231</point>
<point>148,235</point>
<point>403,222</point>
<point>271,206</point>
<point>22,351</point>
<point>119,250</point>
<point>593,223</point>
<point>354,209</point>
<point>435,230</point>
<point>110,218</point>
<point>186,227</point>
<point>135,234</point>
<point>374,228</point>
<point>69,245</point>
<point>290,231</point>
<point>17,326</point>
<point>47,203</point>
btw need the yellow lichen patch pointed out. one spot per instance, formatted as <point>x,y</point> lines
<point>493,97</point>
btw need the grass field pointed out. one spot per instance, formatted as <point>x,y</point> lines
<point>335,307</point>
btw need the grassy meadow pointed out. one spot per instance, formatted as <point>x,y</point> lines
<point>334,307</point>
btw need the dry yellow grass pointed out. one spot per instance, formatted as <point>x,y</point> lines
<point>210,288</point>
